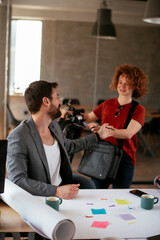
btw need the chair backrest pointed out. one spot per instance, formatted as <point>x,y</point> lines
<point>100,101</point>
<point>3,155</point>
<point>11,118</point>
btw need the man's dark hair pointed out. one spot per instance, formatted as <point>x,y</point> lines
<point>35,93</point>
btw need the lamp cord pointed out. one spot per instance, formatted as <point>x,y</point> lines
<point>96,63</point>
<point>104,4</point>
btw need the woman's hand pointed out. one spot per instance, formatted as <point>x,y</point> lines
<point>94,127</point>
<point>106,131</point>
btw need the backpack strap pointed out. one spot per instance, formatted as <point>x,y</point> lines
<point>131,111</point>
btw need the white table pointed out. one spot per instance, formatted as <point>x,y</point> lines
<point>145,224</point>
<point>75,217</point>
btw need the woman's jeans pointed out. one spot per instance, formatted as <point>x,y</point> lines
<point>85,183</point>
<point>124,175</point>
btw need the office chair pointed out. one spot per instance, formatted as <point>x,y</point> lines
<point>70,129</point>
<point>73,101</point>
<point>13,122</point>
<point>3,154</point>
<point>100,101</point>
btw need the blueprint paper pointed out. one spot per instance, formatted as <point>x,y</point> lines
<point>42,218</point>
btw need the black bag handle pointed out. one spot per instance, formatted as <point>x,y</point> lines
<point>131,111</point>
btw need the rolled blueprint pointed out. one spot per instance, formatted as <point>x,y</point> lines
<point>43,219</point>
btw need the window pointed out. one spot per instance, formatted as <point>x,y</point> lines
<point>25,54</point>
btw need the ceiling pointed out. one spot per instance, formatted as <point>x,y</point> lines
<point>128,12</point>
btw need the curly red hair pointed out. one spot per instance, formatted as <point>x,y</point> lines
<point>138,79</point>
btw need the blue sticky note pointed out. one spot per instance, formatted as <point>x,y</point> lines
<point>98,211</point>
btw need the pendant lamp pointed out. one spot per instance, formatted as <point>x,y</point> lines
<point>104,28</point>
<point>152,12</point>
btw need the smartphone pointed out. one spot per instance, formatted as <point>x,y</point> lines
<point>137,192</point>
<point>156,237</point>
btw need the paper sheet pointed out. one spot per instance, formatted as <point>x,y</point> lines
<point>42,218</point>
<point>119,221</point>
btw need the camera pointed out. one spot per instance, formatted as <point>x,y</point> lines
<point>76,117</point>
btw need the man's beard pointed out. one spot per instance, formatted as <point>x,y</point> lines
<point>54,113</point>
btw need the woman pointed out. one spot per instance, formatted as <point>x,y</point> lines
<point>129,82</point>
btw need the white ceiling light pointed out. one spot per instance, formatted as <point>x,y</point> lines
<point>152,12</point>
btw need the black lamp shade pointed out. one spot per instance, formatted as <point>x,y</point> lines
<point>104,27</point>
<point>152,12</point>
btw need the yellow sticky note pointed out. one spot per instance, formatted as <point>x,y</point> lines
<point>130,222</point>
<point>122,201</point>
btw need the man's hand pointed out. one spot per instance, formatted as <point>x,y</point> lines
<point>67,191</point>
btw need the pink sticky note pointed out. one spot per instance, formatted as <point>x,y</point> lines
<point>100,224</point>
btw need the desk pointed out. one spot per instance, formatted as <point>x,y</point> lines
<point>145,224</point>
<point>10,221</point>
<point>150,113</point>
<point>87,108</point>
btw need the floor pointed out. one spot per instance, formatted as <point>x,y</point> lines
<point>147,164</point>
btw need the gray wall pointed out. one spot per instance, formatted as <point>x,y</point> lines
<point>68,57</point>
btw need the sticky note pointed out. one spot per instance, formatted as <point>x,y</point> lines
<point>112,205</point>
<point>100,224</point>
<point>127,217</point>
<point>122,201</point>
<point>130,222</point>
<point>98,211</point>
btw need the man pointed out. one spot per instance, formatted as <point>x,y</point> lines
<point>37,158</point>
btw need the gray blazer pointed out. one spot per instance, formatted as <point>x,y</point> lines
<point>26,159</point>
